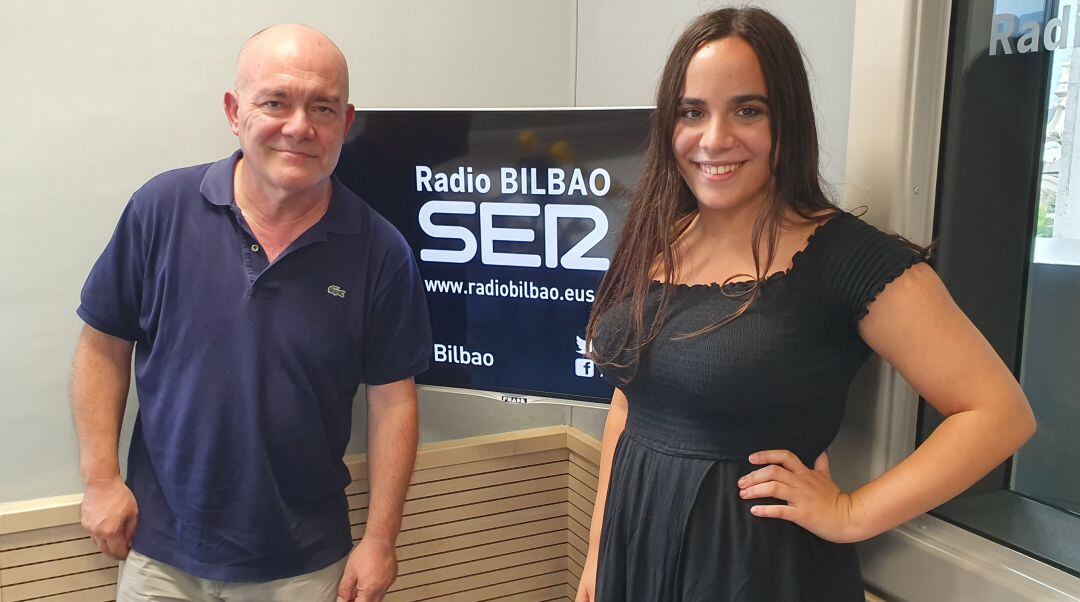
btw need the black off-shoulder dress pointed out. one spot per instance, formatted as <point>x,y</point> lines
<point>675,528</point>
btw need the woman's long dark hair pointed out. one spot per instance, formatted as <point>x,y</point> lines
<point>663,205</point>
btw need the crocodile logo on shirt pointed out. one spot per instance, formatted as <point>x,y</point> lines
<point>336,291</point>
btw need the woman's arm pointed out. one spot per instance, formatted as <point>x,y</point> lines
<point>613,428</point>
<point>915,326</point>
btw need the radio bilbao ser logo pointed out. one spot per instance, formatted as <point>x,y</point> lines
<point>514,181</point>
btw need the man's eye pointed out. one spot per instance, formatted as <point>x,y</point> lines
<point>272,104</point>
<point>324,110</point>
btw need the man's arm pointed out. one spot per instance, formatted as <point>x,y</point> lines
<point>392,435</point>
<point>99,387</point>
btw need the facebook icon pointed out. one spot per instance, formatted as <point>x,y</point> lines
<point>584,367</point>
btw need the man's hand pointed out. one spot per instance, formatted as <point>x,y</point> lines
<point>370,571</point>
<point>109,513</point>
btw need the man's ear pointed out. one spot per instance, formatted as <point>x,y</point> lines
<point>232,106</point>
<point>350,116</point>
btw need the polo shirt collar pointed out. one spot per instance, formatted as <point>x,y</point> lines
<point>217,184</point>
<point>343,216</point>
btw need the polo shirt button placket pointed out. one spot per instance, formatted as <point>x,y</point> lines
<point>253,273</point>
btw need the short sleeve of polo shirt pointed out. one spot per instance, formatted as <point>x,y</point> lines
<point>112,295</point>
<point>398,342</point>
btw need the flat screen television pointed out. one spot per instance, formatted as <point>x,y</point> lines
<point>513,216</point>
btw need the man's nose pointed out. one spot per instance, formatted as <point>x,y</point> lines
<point>718,135</point>
<point>298,125</point>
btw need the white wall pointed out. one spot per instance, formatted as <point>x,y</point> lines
<point>97,98</point>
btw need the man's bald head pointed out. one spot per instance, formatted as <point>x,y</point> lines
<point>290,110</point>
<point>297,46</point>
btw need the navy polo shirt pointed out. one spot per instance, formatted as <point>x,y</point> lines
<point>246,371</point>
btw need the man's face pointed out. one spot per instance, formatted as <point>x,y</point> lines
<point>291,114</point>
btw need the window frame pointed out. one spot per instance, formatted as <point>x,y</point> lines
<point>894,136</point>
<point>979,224</point>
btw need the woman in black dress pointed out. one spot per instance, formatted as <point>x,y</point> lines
<point>739,305</point>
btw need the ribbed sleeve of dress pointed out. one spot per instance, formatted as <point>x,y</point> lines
<point>853,263</point>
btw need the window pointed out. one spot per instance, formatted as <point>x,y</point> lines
<point>1008,230</point>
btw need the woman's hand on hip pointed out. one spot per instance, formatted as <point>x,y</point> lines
<point>814,502</point>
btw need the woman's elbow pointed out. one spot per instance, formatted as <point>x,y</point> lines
<point>1022,421</point>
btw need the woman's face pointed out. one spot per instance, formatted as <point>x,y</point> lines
<point>722,138</point>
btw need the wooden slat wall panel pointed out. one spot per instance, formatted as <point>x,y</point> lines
<point>575,554</point>
<point>471,497</point>
<point>105,593</point>
<point>42,553</point>
<point>575,570</point>
<point>582,483</point>
<point>489,479</point>
<point>581,489</point>
<point>492,579</point>
<point>582,504</point>
<point>59,585</point>
<point>519,590</point>
<point>427,475</point>
<point>425,564</point>
<point>478,567</point>
<point>579,522</point>
<point>582,475</point>
<point>55,568</point>
<point>22,539</point>
<point>502,517</point>
<point>448,515</point>
<point>583,446</point>
<point>65,570</point>
<point>572,579</point>
<point>579,544</point>
<point>475,449</point>
<point>486,536</point>
<point>546,594</point>
<point>481,523</point>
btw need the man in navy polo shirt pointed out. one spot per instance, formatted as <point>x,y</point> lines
<point>256,293</point>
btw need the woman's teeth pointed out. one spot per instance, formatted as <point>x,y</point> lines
<point>716,170</point>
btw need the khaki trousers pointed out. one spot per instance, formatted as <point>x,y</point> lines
<point>144,579</point>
